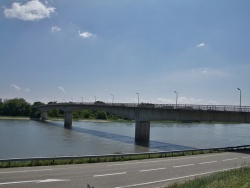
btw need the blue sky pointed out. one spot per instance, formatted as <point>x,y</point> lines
<point>61,50</point>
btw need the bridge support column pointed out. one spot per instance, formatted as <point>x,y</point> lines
<point>44,116</point>
<point>142,130</point>
<point>68,117</point>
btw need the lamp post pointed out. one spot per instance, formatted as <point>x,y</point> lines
<point>95,98</point>
<point>240,96</point>
<point>82,99</point>
<point>176,98</point>
<point>138,98</point>
<point>112,98</point>
<point>72,100</point>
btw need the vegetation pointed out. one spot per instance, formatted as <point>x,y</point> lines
<point>237,178</point>
<point>117,157</point>
<point>15,107</point>
<point>19,107</point>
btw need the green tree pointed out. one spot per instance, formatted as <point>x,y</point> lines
<point>101,115</point>
<point>36,113</point>
<point>1,108</point>
<point>53,112</point>
<point>16,107</point>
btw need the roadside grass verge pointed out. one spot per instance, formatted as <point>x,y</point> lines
<point>96,159</point>
<point>236,178</point>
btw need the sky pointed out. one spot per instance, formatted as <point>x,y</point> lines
<point>87,50</point>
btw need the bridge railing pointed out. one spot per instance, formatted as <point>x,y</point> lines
<point>229,108</point>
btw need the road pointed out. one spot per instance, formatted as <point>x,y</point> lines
<point>149,173</point>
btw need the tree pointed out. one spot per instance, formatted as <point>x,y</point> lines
<point>101,115</point>
<point>16,107</point>
<point>1,107</point>
<point>53,112</point>
<point>36,113</point>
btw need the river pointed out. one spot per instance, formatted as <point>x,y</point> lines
<point>27,138</point>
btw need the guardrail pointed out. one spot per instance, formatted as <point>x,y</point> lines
<point>229,108</point>
<point>123,156</point>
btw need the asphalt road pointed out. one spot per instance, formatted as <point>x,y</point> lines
<point>145,173</point>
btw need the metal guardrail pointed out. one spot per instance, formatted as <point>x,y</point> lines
<point>114,156</point>
<point>228,108</point>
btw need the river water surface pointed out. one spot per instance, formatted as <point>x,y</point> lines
<point>27,138</point>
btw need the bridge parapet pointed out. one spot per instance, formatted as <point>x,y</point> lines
<point>228,108</point>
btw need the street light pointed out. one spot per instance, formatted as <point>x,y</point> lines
<point>95,98</point>
<point>240,96</point>
<point>72,100</point>
<point>138,98</point>
<point>176,98</point>
<point>82,99</point>
<point>112,98</point>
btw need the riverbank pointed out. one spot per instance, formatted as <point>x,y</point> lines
<point>95,158</point>
<point>14,118</point>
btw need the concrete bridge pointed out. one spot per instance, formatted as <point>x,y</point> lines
<point>144,113</point>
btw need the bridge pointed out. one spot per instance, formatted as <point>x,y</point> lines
<point>143,113</point>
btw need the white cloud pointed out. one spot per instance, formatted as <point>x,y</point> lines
<point>185,100</point>
<point>86,35</point>
<point>27,90</point>
<point>201,45</point>
<point>62,89</point>
<point>32,10</point>
<point>55,29</point>
<point>181,100</point>
<point>212,103</point>
<point>209,72</point>
<point>17,88</point>
<point>166,101</point>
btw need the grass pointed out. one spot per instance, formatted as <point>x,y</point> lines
<point>99,159</point>
<point>237,178</point>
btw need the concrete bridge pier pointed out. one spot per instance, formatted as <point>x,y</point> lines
<point>44,116</point>
<point>68,117</point>
<point>142,130</point>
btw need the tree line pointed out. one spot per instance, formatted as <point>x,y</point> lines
<point>20,107</point>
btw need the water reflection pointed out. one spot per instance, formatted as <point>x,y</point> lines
<point>155,145</point>
<point>20,139</point>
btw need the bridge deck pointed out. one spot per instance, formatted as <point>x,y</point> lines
<point>228,108</point>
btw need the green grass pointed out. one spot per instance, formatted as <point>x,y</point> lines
<point>237,178</point>
<point>96,159</point>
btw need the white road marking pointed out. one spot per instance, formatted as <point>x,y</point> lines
<point>230,159</point>
<point>131,163</point>
<point>24,171</point>
<point>110,174</point>
<point>177,178</point>
<point>152,169</point>
<point>167,159</point>
<point>34,181</point>
<point>208,162</point>
<point>183,165</point>
<point>245,157</point>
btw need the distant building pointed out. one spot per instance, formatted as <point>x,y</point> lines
<point>1,100</point>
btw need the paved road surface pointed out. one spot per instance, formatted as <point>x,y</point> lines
<point>145,173</point>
